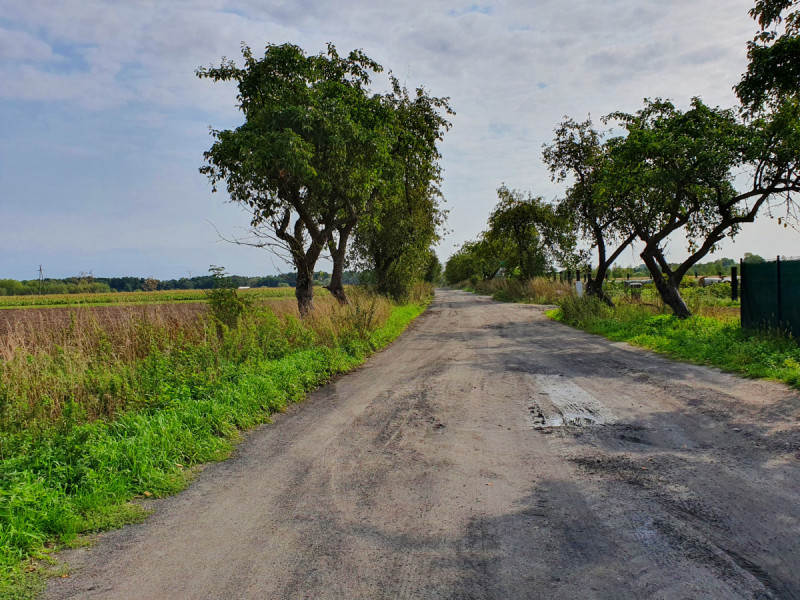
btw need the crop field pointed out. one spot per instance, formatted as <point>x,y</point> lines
<point>160,297</point>
<point>22,317</point>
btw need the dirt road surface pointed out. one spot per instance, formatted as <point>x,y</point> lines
<point>489,453</point>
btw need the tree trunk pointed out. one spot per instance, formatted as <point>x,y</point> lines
<point>671,296</point>
<point>667,286</point>
<point>594,287</point>
<point>338,254</point>
<point>336,287</point>
<point>304,291</point>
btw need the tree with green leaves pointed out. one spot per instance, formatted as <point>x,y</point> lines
<point>392,242</point>
<point>529,229</point>
<point>477,260</point>
<point>773,71</point>
<point>307,161</point>
<point>578,154</point>
<point>674,174</point>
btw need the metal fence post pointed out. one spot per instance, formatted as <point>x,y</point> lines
<point>734,283</point>
<point>780,300</point>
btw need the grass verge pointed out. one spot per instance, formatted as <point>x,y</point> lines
<point>704,340</point>
<point>187,399</point>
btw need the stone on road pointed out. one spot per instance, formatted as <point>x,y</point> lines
<point>488,453</point>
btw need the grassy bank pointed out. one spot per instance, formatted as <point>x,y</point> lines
<point>93,416</point>
<point>716,340</point>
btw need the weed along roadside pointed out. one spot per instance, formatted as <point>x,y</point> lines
<point>95,415</point>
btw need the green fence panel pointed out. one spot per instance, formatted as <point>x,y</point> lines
<point>790,296</point>
<point>770,295</point>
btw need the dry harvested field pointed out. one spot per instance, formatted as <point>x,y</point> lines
<point>56,317</point>
<point>46,325</point>
<point>489,453</point>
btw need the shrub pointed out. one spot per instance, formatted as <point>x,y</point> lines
<point>224,300</point>
<point>584,310</point>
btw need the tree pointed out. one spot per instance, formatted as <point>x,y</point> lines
<point>578,154</point>
<point>675,172</point>
<point>528,226</point>
<point>433,270</point>
<point>773,73</point>
<point>392,242</point>
<point>753,259</point>
<point>481,259</point>
<point>306,162</point>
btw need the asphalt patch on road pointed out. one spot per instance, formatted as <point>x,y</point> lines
<point>562,403</point>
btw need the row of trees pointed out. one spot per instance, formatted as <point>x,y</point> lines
<point>696,175</point>
<point>325,166</point>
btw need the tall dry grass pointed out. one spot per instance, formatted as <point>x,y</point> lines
<point>91,363</point>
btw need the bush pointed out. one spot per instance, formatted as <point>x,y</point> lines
<point>584,310</point>
<point>224,300</point>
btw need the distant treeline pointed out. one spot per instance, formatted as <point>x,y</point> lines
<point>88,284</point>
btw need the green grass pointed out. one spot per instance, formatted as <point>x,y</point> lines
<point>699,339</point>
<point>72,475</point>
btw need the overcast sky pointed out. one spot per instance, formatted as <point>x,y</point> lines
<point>103,123</point>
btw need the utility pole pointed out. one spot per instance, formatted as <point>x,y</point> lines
<point>41,280</point>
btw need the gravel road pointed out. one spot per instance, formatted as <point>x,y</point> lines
<point>488,453</point>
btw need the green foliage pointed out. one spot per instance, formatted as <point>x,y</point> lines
<point>475,260</point>
<point>517,221</point>
<point>225,302</point>
<point>433,270</point>
<point>579,154</point>
<point>773,71</point>
<point>674,174</point>
<point>306,162</point>
<point>525,236</point>
<point>393,240</point>
<point>73,285</point>
<point>753,258</point>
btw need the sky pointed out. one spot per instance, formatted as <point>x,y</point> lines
<point>103,123</point>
